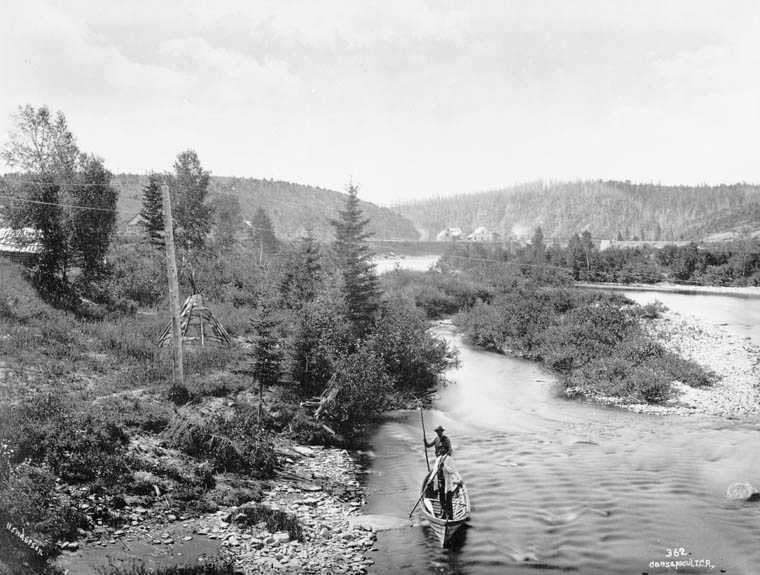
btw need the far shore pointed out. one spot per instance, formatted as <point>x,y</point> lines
<point>736,291</point>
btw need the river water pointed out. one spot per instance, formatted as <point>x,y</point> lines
<point>568,486</point>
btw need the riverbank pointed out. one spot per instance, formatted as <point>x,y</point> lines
<point>737,291</point>
<point>318,486</point>
<point>734,360</point>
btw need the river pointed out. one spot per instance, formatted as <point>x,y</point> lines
<point>565,485</point>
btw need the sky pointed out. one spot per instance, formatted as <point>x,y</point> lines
<point>408,99</point>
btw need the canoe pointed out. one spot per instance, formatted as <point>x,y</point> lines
<point>444,529</point>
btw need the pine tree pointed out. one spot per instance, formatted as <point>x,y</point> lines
<point>301,278</point>
<point>152,210</point>
<point>360,284</point>
<point>266,361</point>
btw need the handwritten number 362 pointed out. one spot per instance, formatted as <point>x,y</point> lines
<point>677,552</point>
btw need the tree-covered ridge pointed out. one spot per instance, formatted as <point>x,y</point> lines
<point>606,209</point>
<point>294,208</point>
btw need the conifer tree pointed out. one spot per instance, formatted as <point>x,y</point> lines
<point>152,210</point>
<point>266,361</point>
<point>301,278</point>
<point>360,284</point>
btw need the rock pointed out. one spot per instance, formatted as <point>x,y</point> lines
<point>740,491</point>
<point>378,522</point>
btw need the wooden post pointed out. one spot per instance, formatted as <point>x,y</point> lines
<point>171,268</point>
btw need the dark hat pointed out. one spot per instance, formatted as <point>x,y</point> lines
<point>439,428</point>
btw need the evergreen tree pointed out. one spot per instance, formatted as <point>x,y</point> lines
<point>360,284</point>
<point>266,361</point>
<point>152,210</point>
<point>301,277</point>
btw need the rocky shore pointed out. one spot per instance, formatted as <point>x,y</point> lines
<point>320,488</point>
<point>317,485</point>
<point>733,359</point>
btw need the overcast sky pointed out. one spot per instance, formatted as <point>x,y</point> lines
<point>408,98</point>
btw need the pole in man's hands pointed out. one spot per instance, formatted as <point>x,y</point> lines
<point>424,439</point>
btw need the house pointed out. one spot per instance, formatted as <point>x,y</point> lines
<point>449,234</point>
<point>481,234</point>
<point>20,245</point>
<point>135,225</point>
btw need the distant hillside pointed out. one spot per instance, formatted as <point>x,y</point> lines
<point>292,207</point>
<point>605,209</point>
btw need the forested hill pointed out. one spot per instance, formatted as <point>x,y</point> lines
<point>607,209</point>
<point>293,208</point>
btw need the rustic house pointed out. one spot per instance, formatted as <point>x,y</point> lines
<point>135,225</point>
<point>21,245</point>
<point>449,234</point>
<point>481,234</point>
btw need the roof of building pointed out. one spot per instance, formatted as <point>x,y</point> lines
<point>23,240</point>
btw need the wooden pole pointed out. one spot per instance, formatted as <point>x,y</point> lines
<point>424,439</point>
<point>171,270</point>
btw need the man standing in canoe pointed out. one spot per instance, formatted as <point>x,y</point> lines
<point>441,442</point>
<point>442,450</point>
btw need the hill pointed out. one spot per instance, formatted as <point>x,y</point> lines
<point>292,207</point>
<point>604,208</point>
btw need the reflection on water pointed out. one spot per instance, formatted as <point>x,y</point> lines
<point>565,485</point>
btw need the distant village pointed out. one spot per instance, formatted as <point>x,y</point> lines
<point>482,234</point>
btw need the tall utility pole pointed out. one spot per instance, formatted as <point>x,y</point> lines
<point>178,371</point>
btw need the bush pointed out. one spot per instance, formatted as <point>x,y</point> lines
<point>275,520</point>
<point>306,430</point>
<point>363,392</point>
<point>137,568</point>
<point>411,355</point>
<point>76,447</point>
<point>29,500</point>
<point>231,445</point>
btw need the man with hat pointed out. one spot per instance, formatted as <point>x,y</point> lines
<point>441,442</point>
<point>443,451</point>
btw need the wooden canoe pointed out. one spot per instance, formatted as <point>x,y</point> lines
<point>444,529</point>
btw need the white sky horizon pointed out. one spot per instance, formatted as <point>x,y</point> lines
<point>408,99</point>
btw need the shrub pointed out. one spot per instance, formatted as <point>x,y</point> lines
<point>139,568</point>
<point>77,447</point>
<point>411,355</point>
<point>306,430</point>
<point>29,499</point>
<point>233,444</point>
<point>363,392</point>
<point>275,519</point>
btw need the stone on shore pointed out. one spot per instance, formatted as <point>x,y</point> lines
<point>378,522</point>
